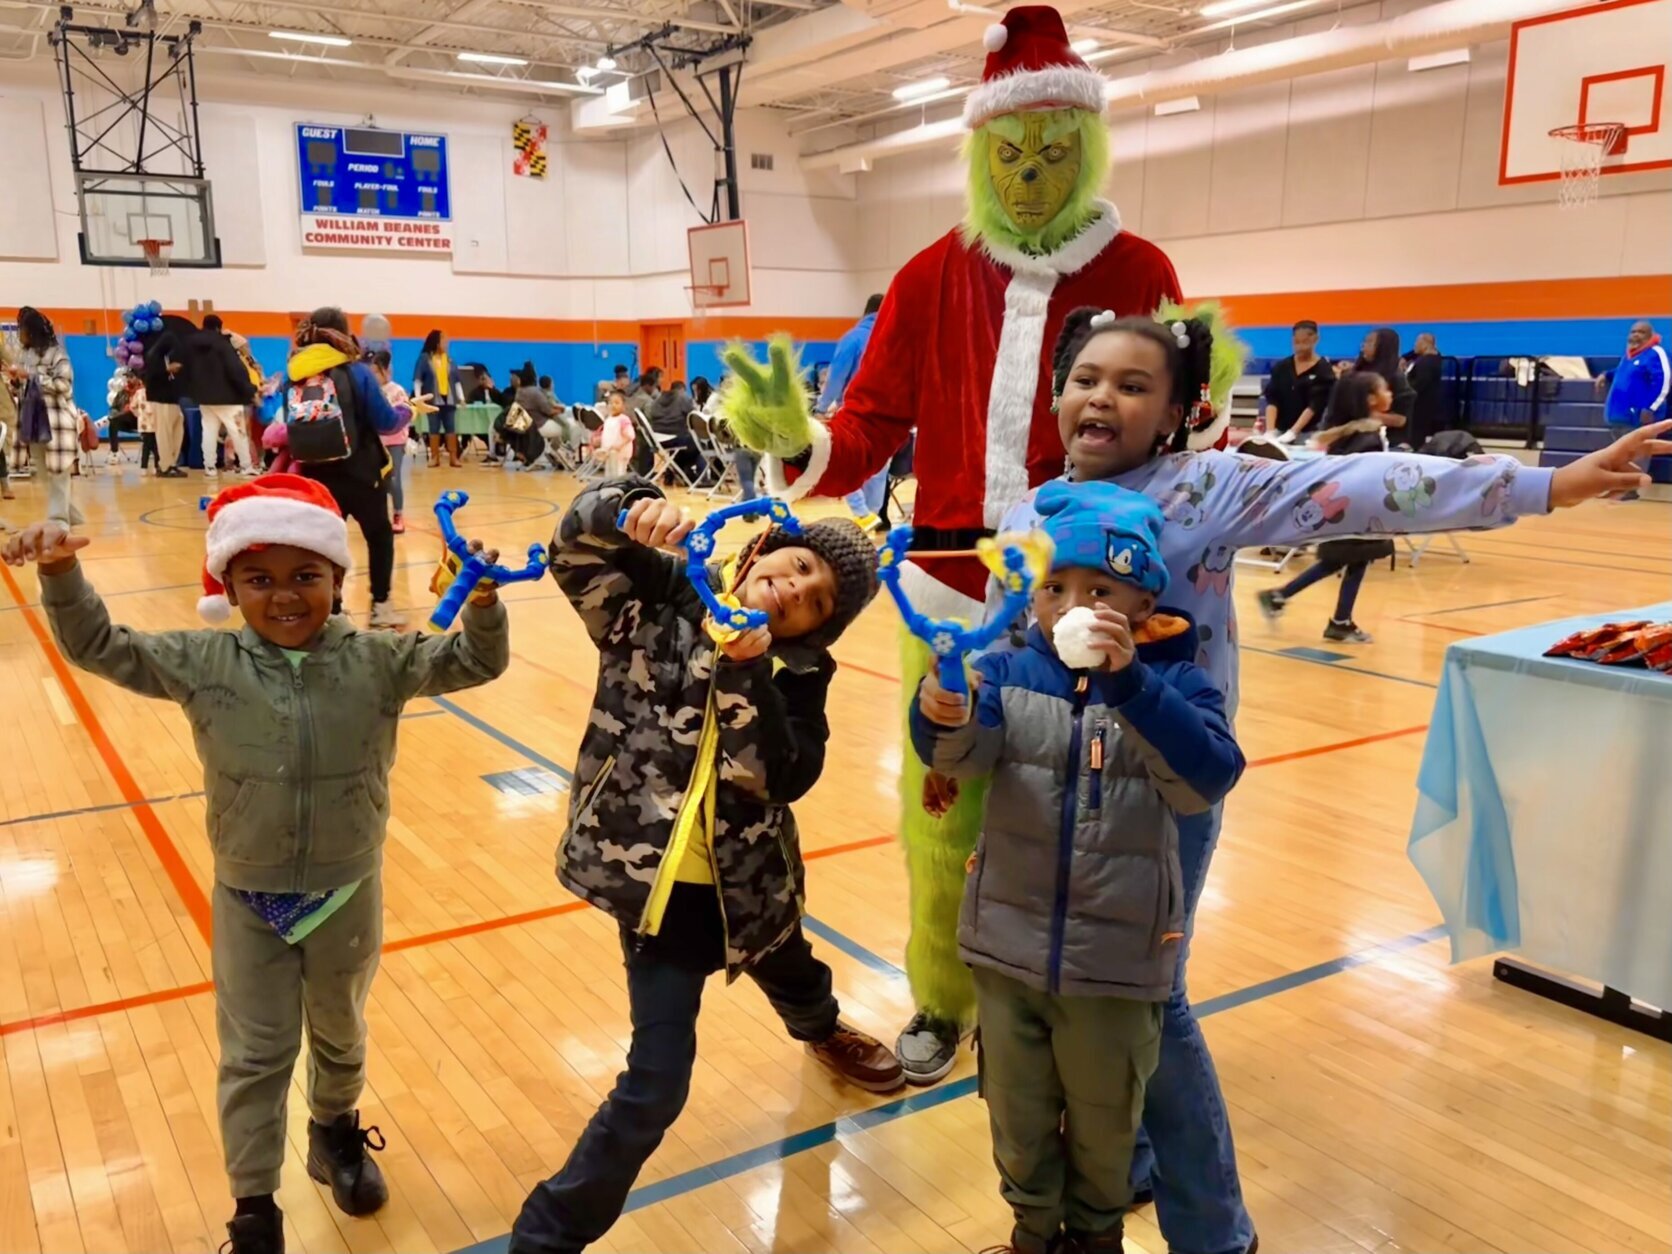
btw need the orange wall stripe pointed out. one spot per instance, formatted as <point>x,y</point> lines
<point>1632,296</point>
<point>179,874</point>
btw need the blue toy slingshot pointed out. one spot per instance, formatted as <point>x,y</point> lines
<point>473,567</point>
<point>699,550</point>
<point>951,639</point>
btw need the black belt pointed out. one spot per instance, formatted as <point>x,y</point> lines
<point>947,539</point>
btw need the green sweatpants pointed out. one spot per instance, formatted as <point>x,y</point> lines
<point>266,992</point>
<point>1063,1078</point>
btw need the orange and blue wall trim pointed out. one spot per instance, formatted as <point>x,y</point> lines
<point>1579,317</point>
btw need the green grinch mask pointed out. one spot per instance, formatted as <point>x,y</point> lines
<point>1034,177</point>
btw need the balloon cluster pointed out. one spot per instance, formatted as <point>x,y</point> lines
<point>142,320</point>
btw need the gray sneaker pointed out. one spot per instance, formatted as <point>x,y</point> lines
<point>386,616</point>
<point>927,1048</point>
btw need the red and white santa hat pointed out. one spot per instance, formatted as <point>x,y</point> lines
<point>1030,65</point>
<point>274,509</point>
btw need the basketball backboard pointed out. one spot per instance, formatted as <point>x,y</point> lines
<point>1606,63</point>
<point>720,276</point>
<point>118,211</point>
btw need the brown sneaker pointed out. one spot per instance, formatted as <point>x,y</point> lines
<point>859,1059</point>
<point>1092,1242</point>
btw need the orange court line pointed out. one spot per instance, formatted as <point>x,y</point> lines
<point>106,1007</point>
<point>179,874</point>
<point>1318,750</point>
<point>484,925</point>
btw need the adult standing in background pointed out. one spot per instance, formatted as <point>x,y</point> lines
<point>1298,391</point>
<point>11,375</point>
<point>1638,386</point>
<point>866,504</point>
<point>51,376</point>
<point>1380,354</point>
<point>1424,373</point>
<point>219,381</point>
<point>164,362</point>
<point>436,379</point>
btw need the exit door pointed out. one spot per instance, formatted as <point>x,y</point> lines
<point>663,344</point>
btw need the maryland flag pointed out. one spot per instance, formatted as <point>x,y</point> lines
<point>529,138</point>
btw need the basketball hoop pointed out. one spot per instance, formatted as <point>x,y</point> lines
<point>700,307</point>
<point>156,253</point>
<point>1583,148</point>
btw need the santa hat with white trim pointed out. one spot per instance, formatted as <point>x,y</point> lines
<point>1030,65</point>
<point>274,509</point>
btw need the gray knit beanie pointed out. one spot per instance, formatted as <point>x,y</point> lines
<point>851,556</point>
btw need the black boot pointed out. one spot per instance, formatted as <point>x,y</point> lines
<point>337,1157</point>
<point>258,1232</point>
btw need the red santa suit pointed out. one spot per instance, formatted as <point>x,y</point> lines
<point>961,351</point>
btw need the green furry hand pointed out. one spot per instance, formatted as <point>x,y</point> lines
<point>767,409</point>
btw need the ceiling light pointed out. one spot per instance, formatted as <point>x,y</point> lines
<point>503,81</point>
<point>585,73</point>
<point>606,64</point>
<point>307,37</point>
<point>1167,108</point>
<point>1436,60</point>
<point>1082,46</point>
<point>1221,7</point>
<point>926,87</point>
<point>490,58</point>
<point>1256,16</point>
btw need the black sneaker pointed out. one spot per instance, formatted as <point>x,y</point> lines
<point>1272,603</point>
<point>337,1157</point>
<point>1348,633</point>
<point>261,1233</point>
<point>927,1048</point>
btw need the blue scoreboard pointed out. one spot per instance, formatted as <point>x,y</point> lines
<point>362,172</point>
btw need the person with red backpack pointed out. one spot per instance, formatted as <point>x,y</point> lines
<point>335,416</point>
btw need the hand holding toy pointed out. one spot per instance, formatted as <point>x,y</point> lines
<point>1018,561</point>
<point>474,566</point>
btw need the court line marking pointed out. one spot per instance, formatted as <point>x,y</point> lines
<point>193,898</point>
<point>1318,750</point>
<point>848,1126</point>
<point>1484,605</point>
<point>1336,666</point>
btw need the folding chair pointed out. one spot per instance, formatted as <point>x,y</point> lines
<point>901,467</point>
<point>715,464</point>
<point>590,467</point>
<point>658,444</point>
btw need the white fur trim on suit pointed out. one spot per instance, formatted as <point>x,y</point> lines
<point>1060,86</point>
<point>274,520</point>
<point>930,597</point>
<point>1209,435</point>
<point>1027,299</point>
<point>1072,257</point>
<point>818,461</point>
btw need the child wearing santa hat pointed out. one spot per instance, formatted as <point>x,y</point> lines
<point>294,718</point>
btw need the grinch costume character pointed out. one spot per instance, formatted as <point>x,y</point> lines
<point>961,352</point>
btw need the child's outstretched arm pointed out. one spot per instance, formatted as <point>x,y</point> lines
<point>429,666</point>
<point>772,726</point>
<point>1179,729</point>
<point>153,664</point>
<point>609,573</point>
<point>972,747</point>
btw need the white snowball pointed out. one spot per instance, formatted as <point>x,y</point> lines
<point>1073,639</point>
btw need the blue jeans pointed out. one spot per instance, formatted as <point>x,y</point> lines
<point>746,463</point>
<point>868,500</point>
<point>665,977</point>
<point>1184,1148</point>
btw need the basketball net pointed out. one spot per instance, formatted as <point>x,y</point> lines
<point>156,254</point>
<point>1583,148</point>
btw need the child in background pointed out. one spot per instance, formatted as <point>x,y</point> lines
<point>615,437</point>
<point>295,721</point>
<point>395,440</point>
<point>1074,908</point>
<point>680,824</point>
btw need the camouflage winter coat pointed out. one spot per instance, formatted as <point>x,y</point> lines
<point>656,666</point>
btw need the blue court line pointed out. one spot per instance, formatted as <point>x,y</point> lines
<point>1336,666</point>
<point>1307,653</point>
<point>150,801</point>
<point>1484,605</point>
<point>851,947</point>
<point>504,738</point>
<point>847,1126</point>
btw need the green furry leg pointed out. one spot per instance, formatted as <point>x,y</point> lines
<point>936,851</point>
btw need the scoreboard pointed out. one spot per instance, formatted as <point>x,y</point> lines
<point>373,190</point>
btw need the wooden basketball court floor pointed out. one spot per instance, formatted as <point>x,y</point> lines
<point>1382,1099</point>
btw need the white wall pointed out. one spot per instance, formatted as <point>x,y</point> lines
<point>603,236</point>
<point>1360,178</point>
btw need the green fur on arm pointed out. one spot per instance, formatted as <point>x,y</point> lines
<point>767,408</point>
<point>1229,353</point>
<point>984,216</point>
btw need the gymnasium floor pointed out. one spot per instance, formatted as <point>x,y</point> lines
<point>1381,1099</point>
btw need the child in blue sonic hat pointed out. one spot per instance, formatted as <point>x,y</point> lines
<point>1098,737</point>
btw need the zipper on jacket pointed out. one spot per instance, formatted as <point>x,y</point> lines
<point>1065,836</point>
<point>1099,738</point>
<point>304,789</point>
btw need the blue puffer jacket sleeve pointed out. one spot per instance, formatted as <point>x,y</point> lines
<point>1176,716</point>
<point>973,749</point>
<point>368,394</point>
